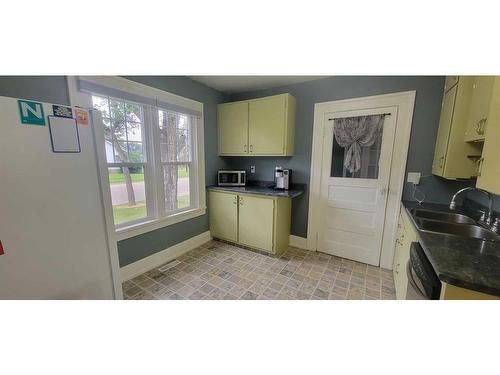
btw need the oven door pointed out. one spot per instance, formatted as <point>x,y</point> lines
<point>415,287</point>
<point>423,282</point>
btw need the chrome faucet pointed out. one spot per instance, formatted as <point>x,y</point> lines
<point>486,220</point>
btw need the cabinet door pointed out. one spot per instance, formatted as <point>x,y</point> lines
<point>479,108</point>
<point>397,254</point>
<point>256,222</point>
<point>266,133</point>
<point>223,215</point>
<point>489,176</point>
<point>233,128</point>
<point>401,278</point>
<point>444,131</point>
<point>450,82</point>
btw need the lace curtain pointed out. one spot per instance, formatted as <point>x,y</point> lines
<point>353,133</point>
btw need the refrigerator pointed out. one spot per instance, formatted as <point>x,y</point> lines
<point>54,239</point>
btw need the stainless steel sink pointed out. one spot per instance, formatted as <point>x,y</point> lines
<point>462,230</point>
<point>448,217</point>
<point>450,223</point>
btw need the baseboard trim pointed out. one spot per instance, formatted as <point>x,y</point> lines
<point>137,268</point>
<point>300,242</point>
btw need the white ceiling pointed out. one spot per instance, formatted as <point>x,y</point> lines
<point>236,84</point>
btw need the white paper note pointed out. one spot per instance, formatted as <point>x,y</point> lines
<point>64,134</point>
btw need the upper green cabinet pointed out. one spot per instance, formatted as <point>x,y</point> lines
<point>233,128</point>
<point>453,157</point>
<point>482,89</point>
<point>257,127</point>
<point>489,173</point>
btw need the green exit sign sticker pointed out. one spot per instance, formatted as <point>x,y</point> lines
<point>31,112</point>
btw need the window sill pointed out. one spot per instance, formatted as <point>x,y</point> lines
<point>148,226</point>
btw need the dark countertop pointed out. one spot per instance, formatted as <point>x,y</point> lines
<point>262,188</point>
<point>464,262</point>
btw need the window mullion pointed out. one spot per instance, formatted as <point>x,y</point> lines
<point>155,142</point>
<point>149,172</point>
<point>193,166</point>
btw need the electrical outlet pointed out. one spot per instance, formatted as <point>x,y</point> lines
<point>252,169</point>
<point>414,177</point>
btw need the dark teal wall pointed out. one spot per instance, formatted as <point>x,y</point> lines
<point>425,123</point>
<point>53,89</point>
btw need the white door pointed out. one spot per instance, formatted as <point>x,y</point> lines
<point>352,206</point>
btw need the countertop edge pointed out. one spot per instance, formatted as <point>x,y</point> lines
<point>292,193</point>
<point>444,277</point>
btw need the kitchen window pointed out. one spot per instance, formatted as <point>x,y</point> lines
<point>154,157</point>
<point>176,146</point>
<point>125,156</point>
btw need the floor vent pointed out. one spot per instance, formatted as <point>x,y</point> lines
<point>169,265</point>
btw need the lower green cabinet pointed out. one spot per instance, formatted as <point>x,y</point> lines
<point>223,216</point>
<point>256,222</point>
<point>405,236</point>
<point>259,222</point>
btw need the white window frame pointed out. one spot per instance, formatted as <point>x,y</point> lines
<point>156,218</point>
<point>193,165</point>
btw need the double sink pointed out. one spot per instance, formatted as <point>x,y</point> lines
<point>450,223</point>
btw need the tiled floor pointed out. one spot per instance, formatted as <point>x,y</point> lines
<point>218,270</point>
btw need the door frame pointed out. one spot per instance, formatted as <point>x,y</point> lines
<point>405,101</point>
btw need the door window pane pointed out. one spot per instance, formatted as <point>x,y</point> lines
<point>176,180</point>
<point>369,161</point>
<point>127,194</point>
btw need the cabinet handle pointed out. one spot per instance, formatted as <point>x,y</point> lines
<point>479,166</point>
<point>245,148</point>
<point>397,269</point>
<point>235,200</point>
<point>251,148</point>
<point>241,201</point>
<point>441,160</point>
<point>478,127</point>
<point>482,124</point>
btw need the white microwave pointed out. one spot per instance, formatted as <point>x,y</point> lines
<point>231,178</point>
